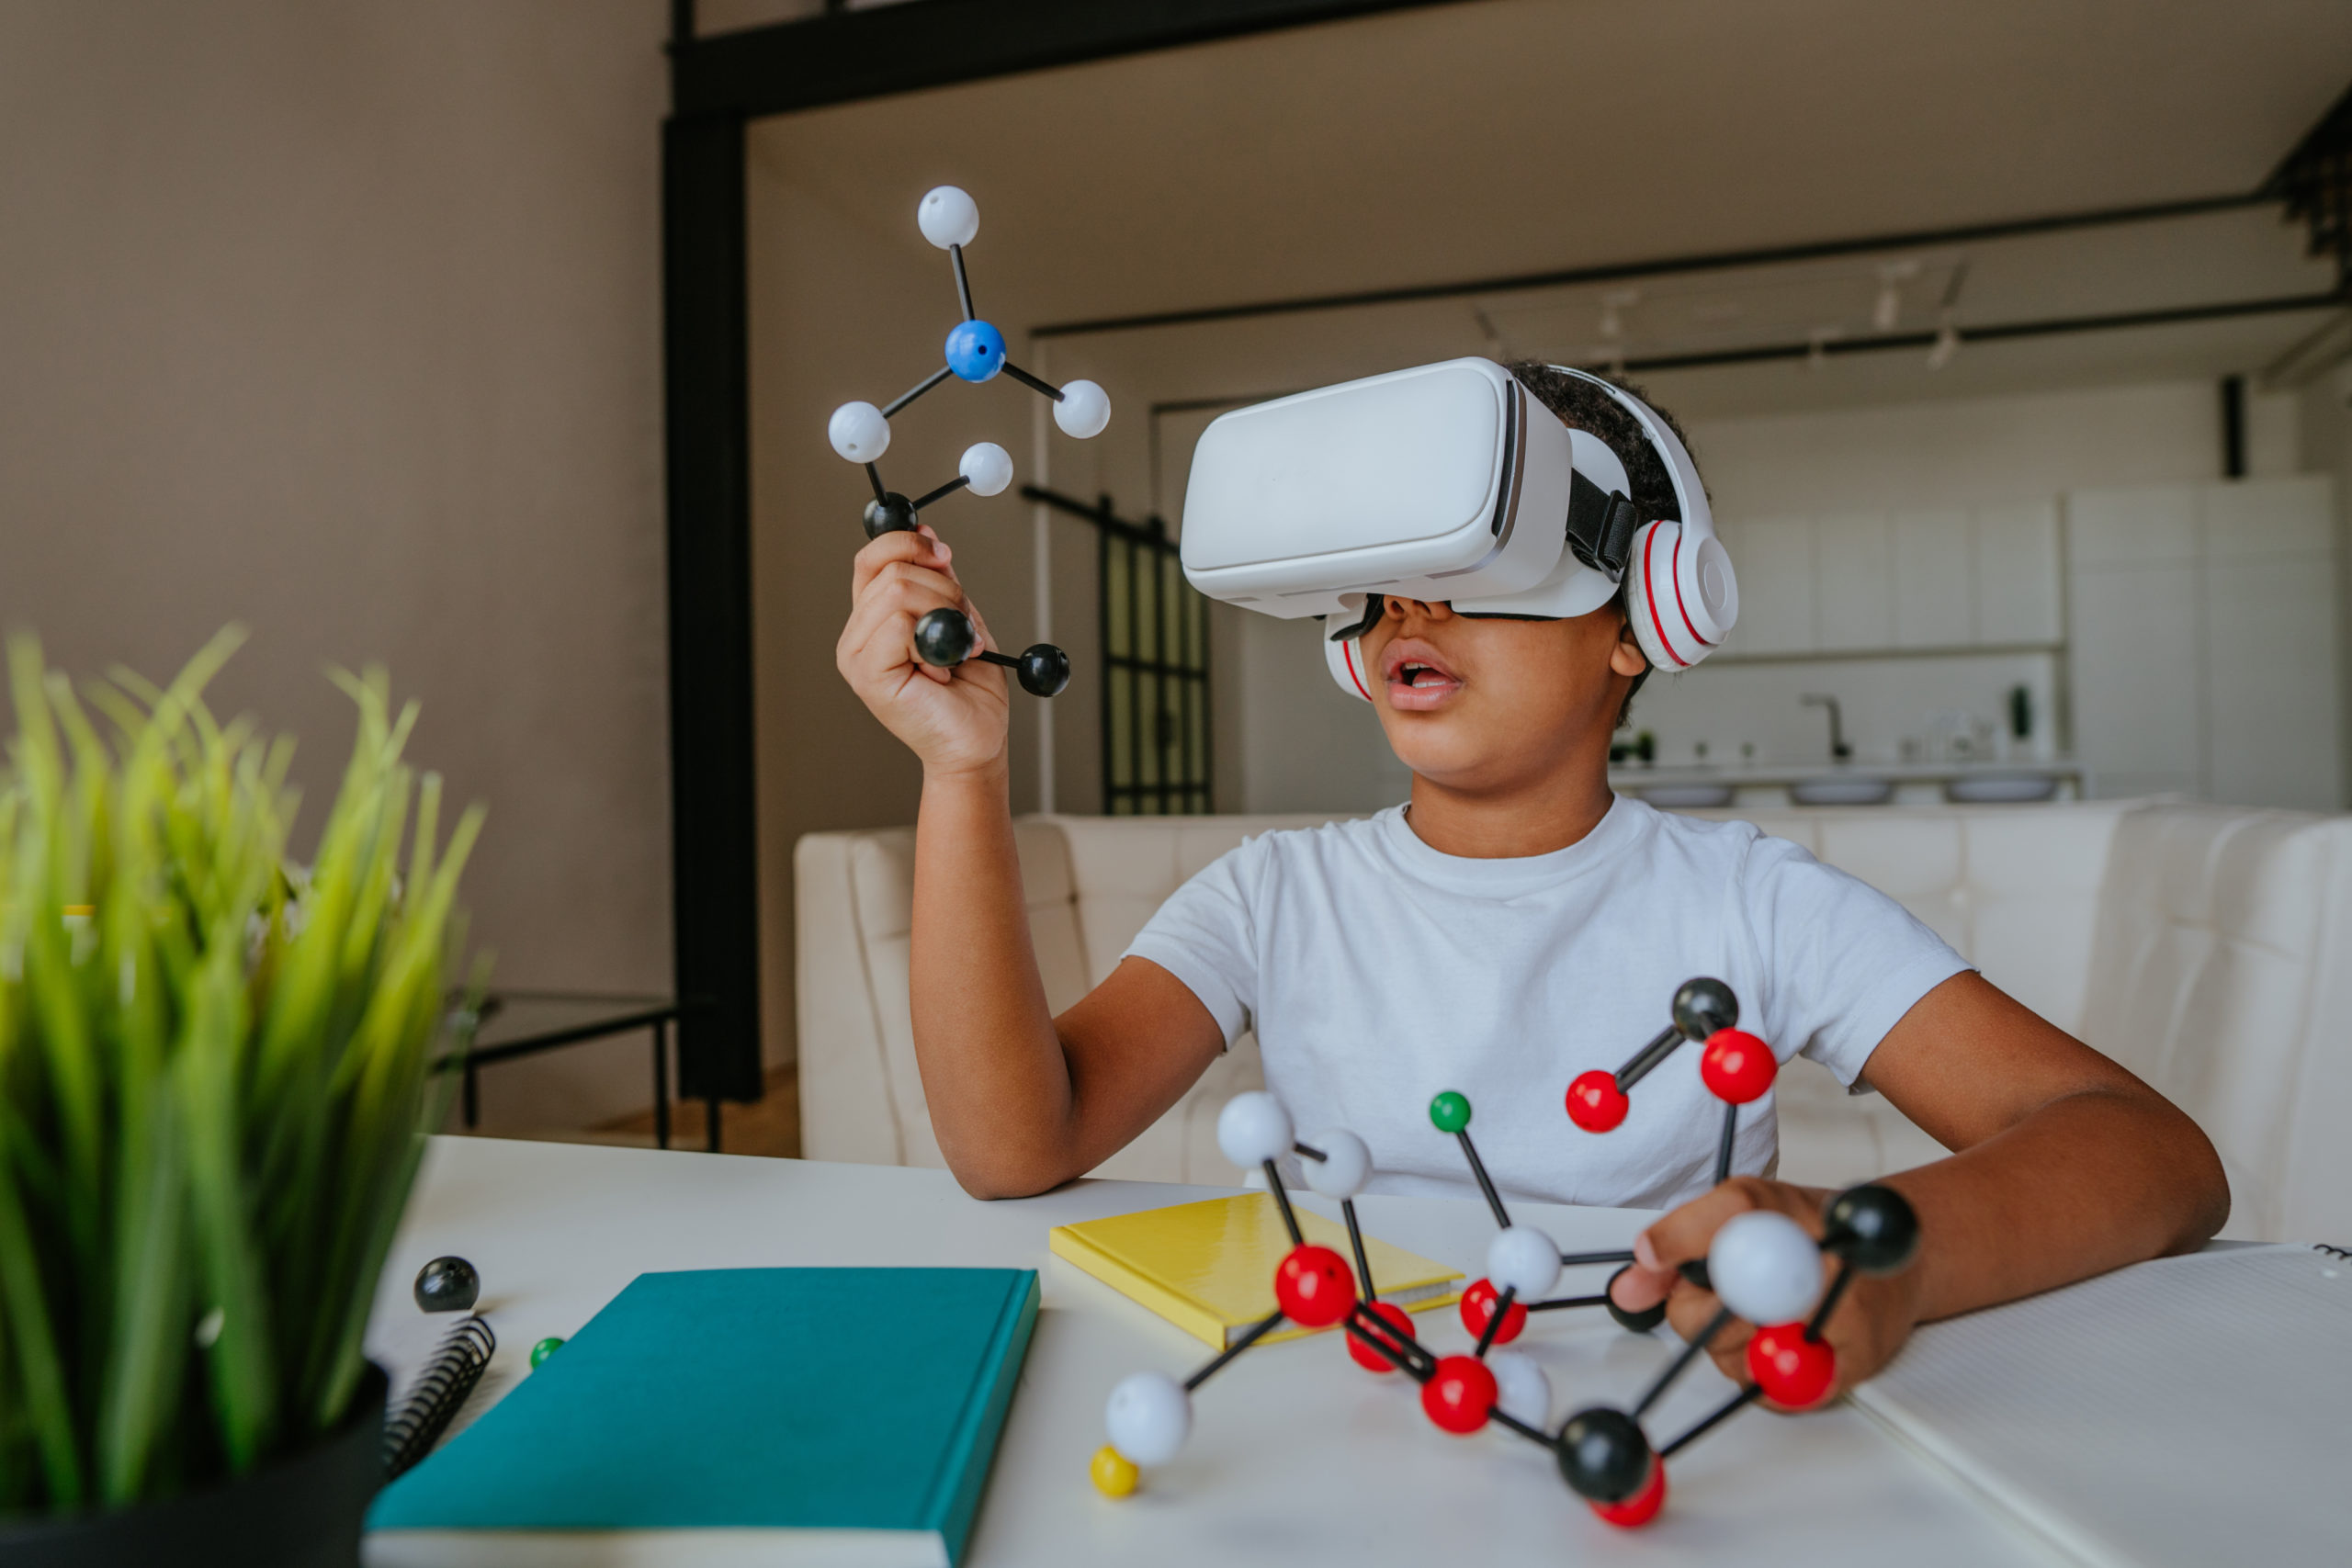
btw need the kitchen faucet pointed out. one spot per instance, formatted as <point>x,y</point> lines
<point>1839,749</point>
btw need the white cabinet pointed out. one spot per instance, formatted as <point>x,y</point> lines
<point>1932,574</point>
<point>1774,558</point>
<point>1952,578</point>
<point>2202,641</point>
<point>2014,571</point>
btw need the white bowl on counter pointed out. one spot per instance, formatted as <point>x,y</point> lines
<point>2000,789</point>
<point>1842,789</point>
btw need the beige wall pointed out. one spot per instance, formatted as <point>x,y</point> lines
<point>341,320</point>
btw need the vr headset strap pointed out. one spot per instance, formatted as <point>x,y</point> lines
<point>1601,527</point>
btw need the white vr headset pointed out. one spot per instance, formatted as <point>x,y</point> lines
<point>1452,482</point>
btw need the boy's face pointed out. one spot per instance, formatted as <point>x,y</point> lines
<point>1485,705</point>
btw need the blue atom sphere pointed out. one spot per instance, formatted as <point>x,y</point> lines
<point>975,350</point>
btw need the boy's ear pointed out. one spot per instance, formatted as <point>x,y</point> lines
<point>1627,658</point>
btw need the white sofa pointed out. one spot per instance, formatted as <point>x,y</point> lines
<point>2201,946</point>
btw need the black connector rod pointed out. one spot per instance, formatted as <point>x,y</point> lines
<point>950,488</point>
<point>1689,1354</point>
<point>1258,1331</point>
<point>1032,382</point>
<point>1400,1349</point>
<point>1829,1300</point>
<point>1638,1067</point>
<point>1730,1408</point>
<point>874,474</point>
<point>1514,1424</point>
<point>1364,1291</point>
<point>1556,1303</point>
<point>1722,1149</point>
<point>1317,1156</point>
<point>917,390</point>
<point>1494,1321</point>
<point>963,283</point>
<point>1282,1197</point>
<point>1478,1169</point>
<point>1574,1260</point>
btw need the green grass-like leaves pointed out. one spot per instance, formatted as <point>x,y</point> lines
<point>215,1076</point>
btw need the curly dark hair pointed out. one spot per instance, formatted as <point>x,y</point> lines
<point>1581,405</point>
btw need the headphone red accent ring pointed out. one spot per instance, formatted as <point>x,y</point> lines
<point>1348,653</point>
<point>1684,609</point>
<point>1649,595</point>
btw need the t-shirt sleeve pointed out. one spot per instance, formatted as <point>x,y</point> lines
<point>1205,935</point>
<point>1845,961</point>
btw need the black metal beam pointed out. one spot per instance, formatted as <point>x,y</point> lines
<point>841,57</point>
<point>713,807</point>
<point>1659,267</point>
<point>1999,332</point>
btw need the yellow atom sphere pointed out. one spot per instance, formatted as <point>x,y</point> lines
<point>1113,1473</point>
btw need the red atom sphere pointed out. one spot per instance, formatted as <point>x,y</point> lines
<point>1794,1372</point>
<point>1460,1395</point>
<point>1642,1505</point>
<point>1367,1357</point>
<point>1314,1286</point>
<point>1595,1102</point>
<point>1479,1305</point>
<point>1738,1067</point>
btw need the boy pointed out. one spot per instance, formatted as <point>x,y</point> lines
<point>1515,924</point>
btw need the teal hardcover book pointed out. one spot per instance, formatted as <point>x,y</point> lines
<point>816,1415</point>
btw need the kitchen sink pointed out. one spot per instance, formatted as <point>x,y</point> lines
<point>1841,789</point>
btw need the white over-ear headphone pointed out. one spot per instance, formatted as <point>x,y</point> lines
<point>1682,595</point>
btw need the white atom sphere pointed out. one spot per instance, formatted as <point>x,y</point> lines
<point>1252,1129</point>
<point>1148,1417</point>
<point>1765,1267</point>
<point>1084,410</point>
<point>1345,1167</point>
<point>947,216</point>
<point>1525,1260</point>
<point>858,431</point>
<point>988,466</point>
<point>1522,1387</point>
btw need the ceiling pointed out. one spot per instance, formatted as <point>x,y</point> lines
<point>1507,136</point>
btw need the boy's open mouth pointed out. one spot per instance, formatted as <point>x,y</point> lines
<point>1418,678</point>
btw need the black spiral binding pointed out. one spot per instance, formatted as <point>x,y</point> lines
<point>2344,1253</point>
<point>433,1400</point>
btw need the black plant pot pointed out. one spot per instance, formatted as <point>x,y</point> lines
<point>300,1512</point>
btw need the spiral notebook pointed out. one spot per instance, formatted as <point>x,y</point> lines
<point>442,1386</point>
<point>2189,1411</point>
<point>736,1416</point>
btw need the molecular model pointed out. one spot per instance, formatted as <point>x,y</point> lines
<point>861,433</point>
<point>1762,1267</point>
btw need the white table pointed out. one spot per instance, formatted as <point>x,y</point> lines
<point>1297,1457</point>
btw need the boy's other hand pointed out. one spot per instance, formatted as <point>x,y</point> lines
<point>954,720</point>
<point>1870,1324</point>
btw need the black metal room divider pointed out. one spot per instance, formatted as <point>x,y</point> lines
<point>1155,674</point>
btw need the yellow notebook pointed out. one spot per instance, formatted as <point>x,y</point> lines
<point>1208,1268</point>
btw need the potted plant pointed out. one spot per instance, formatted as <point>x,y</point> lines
<point>217,1066</point>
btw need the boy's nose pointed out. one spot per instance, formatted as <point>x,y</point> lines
<point>1419,609</point>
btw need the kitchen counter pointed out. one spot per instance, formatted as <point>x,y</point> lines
<point>1769,783</point>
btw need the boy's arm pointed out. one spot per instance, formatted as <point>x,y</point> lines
<point>2066,1166</point>
<point>1019,1101</point>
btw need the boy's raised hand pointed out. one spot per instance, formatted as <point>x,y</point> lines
<point>953,720</point>
<point>1870,1324</point>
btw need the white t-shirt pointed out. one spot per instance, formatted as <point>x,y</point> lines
<point>1378,972</point>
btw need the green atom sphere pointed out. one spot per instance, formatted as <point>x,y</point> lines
<point>544,1348</point>
<point>1450,1112</point>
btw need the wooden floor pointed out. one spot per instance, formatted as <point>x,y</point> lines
<point>771,1127</point>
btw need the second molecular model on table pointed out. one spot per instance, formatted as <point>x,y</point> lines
<point>1762,1266</point>
<point>974,352</point>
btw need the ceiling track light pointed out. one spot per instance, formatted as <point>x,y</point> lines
<point>1946,342</point>
<point>1892,276</point>
<point>1613,305</point>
